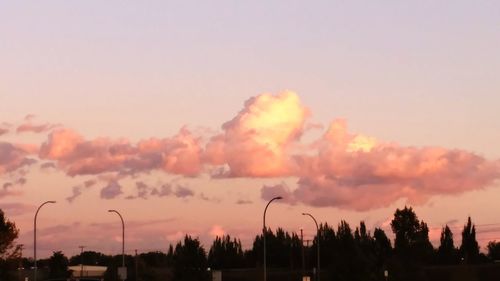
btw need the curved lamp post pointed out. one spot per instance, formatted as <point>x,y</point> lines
<point>123,236</point>
<point>34,233</point>
<point>317,237</point>
<point>264,230</point>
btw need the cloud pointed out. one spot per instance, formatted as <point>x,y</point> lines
<point>217,231</point>
<point>32,128</point>
<point>6,191</point>
<point>243,202</point>
<point>143,191</point>
<point>15,209</point>
<point>48,165</point>
<point>263,140</point>
<point>111,191</point>
<point>183,192</point>
<point>29,126</point>
<point>257,142</point>
<point>269,192</point>
<point>357,172</point>
<point>13,157</point>
<point>77,191</point>
<point>163,190</point>
<point>5,128</point>
<point>77,156</point>
<point>89,183</point>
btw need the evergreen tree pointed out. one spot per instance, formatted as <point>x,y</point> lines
<point>190,261</point>
<point>469,250</point>
<point>328,244</point>
<point>447,253</point>
<point>225,253</point>
<point>382,249</point>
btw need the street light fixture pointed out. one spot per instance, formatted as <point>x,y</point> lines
<point>264,230</point>
<point>317,237</point>
<point>123,235</point>
<point>34,233</point>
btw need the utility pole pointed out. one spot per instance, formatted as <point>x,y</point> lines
<point>136,265</point>
<point>20,269</point>
<point>302,248</point>
<point>307,248</point>
<point>81,260</point>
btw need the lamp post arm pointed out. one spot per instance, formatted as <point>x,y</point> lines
<point>264,231</point>
<point>318,234</point>
<point>123,235</point>
<point>34,235</point>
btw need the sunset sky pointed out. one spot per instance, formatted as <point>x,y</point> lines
<point>188,116</point>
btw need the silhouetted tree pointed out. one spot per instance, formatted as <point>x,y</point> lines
<point>469,249</point>
<point>225,253</point>
<point>90,258</point>
<point>328,244</point>
<point>190,261</point>
<point>405,226</point>
<point>283,250</point>
<point>8,236</point>
<point>156,259</point>
<point>382,249</point>
<point>447,253</point>
<point>494,250</point>
<point>412,247</point>
<point>8,247</point>
<point>347,262</point>
<point>58,265</point>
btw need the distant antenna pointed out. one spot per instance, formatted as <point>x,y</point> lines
<point>81,260</point>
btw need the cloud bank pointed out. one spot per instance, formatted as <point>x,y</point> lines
<point>340,169</point>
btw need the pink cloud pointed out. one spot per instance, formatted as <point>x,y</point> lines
<point>217,231</point>
<point>76,192</point>
<point>112,190</point>
<point>257,142</point>
<point>77,156</point>
<point>358,172</point>
<point>341,169</point>
<point>28,127</point>
<point>15,209</point>
<point>13,157</point>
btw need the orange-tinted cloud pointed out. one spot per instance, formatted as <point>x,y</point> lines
<point>358,172</point>
<point>257,142</point>
<point>77,156</point>
<point>341,169</point>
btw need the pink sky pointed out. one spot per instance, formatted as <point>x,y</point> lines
<point>187,118</point>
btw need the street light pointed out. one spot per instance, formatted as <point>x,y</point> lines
<point>317,237</point>
<point>264,230</point>
<point>34,232</point>
<point>123,236</point>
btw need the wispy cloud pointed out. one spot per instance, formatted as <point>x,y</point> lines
<point>112,190</point>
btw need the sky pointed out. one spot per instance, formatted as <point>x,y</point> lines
<point>187,117</point>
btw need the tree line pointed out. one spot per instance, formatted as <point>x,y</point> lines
<point>347,253</point>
